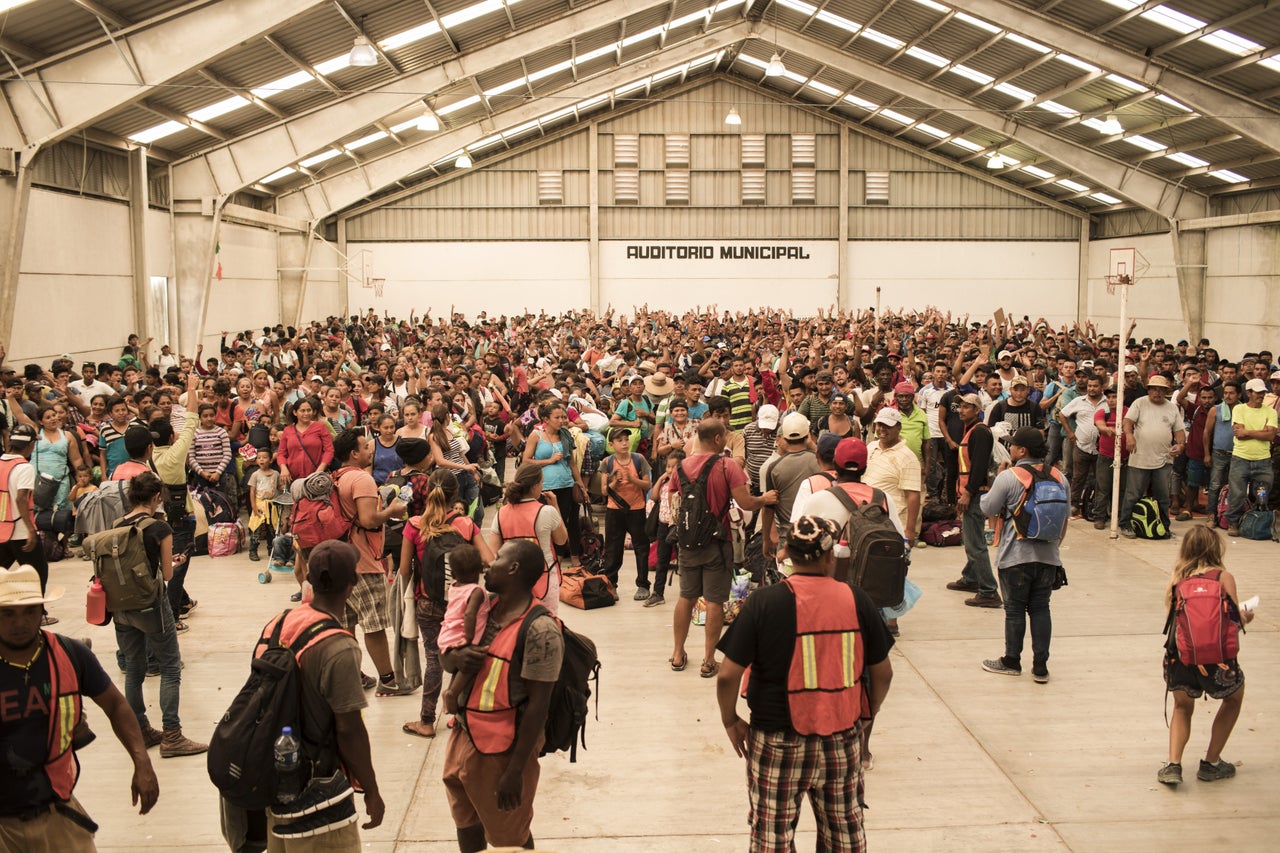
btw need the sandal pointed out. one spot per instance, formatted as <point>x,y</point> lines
<point>414,727</point>
<point>709,669</point>
<point>678,667</point>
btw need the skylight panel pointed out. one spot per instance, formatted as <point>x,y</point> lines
<point>270,90</point>
<point>1105,198</point>
<point>6,5</point>
<point>1165,99</point>
<point>651,33</point>
<point>861,102</point>
<point>590,55</point>
<point>517,83</point>
<point>1232,43</point>
<point>894,115</point>
<point>1074,186</point>
<point>409,36</point>
<point>929,4</point>
<point>330,153</point>
<point>1015,91</point>
<point>1144,143</point>
<point>470,13</point>
<point>459,105</point>
<point>751,60</point>
<point>221,108</point>
<point>365,140</point>
<point>799,6</point>
<point>1095,123</point>
<point>818,85</point>
<point>1078,63</point>
<point>1272,62</point>
<point>882,38</point>
<point>1057,108</point>
<point>961,142</point>
<point>411,124</point>
<point>933,131</point>
<point>160,131</point>
<point>1172,19</point>
<point>971,74</point>
<point>838,21</point>
<point>1026,42</point>
<point>333,65</point>
<point>703,60</point>
<point>1188,160</point>
<point>521,129</point>
<point>976,22</point>
<point>488,142</point>
<point>928,56</point>
<point>1036,171</point>
<point>282,173</point>
<point>1126,82</point>
<point>1229,176</point>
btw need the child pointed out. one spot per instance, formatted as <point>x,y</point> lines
<point>627,478</point>
<point>264,484</point>
<point>465,617</point>
<point>667,503</point>
<point>84,484</point>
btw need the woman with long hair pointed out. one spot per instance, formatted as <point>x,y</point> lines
<point>56,453</point>
<point>385,459</point>
<point>413,425</point>
<point>449,450</point>
<point>1201,556</point>
<point>439,518</point>
<point>529,512</point>
<point>550,447</point>
<point>306,446</point>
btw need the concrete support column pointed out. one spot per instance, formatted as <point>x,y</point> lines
<point>195,236</point>
<point>842,238</point>
<point>15,198</point>
<point>293,251</point>
<point>139,198</point>
<point>344,260</point>
<point>1082,284</point>
<point>1191,258</point>
<point>593,215</point>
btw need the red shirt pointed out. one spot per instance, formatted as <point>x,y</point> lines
<point>720,484</point>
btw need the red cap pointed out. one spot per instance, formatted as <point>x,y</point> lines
<point>851,454</point>
<point>906,386</point>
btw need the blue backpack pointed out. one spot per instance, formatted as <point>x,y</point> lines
<point>1045,507</point>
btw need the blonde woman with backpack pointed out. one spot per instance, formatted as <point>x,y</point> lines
<point>1199,572</point>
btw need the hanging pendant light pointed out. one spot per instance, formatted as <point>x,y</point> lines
<point>996,161</point>
<point>362,53</point>
<point>427,122</point>
<point>733,119</point>
<point>1111,126</point>
<point>463,161</point>
<point>775,68</point>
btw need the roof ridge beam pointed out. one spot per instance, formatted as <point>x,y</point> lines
<point>224,169</point>
<point>162,52</point>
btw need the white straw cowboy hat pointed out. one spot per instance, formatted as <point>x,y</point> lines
<point>21,587</point>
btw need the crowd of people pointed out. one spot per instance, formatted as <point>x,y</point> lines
<point>420,426</point>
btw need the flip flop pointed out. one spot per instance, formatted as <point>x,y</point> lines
<point>709,669</point>
<point>678,667</point>
<point>418,729</point>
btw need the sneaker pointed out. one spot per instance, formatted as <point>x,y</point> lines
<point>176,744</point>
<point>319,794</point>
<point>393,689</point>
<point>654,600</point>
<point>1183,516</point>
<point>1100,524</point>
<point>1233,530</point>
<point>1040,674</point>
<point>980,600</point>
<point>963,585</point>
<point>336,816</point>
<point>642,594</point>
<point>1170,774</point>
<point>999,667</point>
<point>368,682</point>
<point>1213,772</point>
<point>1127,533</point>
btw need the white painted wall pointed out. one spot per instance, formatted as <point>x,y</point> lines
<point>1153,300</point>
<point>247,297</point>
<point>326,285</point>
<point>1242,310</point>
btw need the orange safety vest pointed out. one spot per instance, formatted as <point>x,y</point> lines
<point>296,622</point>
<point>10,512</point>
<point>65,711</point>
<point>966,465</point>
<point>522,523</point>
<point>489,715</point>
<point>824,693</point>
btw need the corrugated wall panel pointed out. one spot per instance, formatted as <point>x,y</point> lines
<point>703,109</point>
<point>717,223</point>
<point>881,223</point>
<point>549,222</point>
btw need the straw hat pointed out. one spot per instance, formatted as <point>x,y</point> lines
<point>21,587</point>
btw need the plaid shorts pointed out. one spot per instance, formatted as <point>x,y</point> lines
<point>368,605</point>
<point>784,767</point>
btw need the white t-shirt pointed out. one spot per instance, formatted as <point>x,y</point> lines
<point>928,398</point>
<point>1153,429</point>
<point>826,505</point>
<point>92,389</point>
<point>22,478</point>
<point>1086,430</point>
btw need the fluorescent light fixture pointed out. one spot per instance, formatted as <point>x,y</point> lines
<point>362,54</point>
<point>1111,126</point>
<point>733,119</point>
<point>775,67</point>
<point>427,122</point>
<point>463,161</point>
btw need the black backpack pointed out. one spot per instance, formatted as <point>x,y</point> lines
<point>433,568</point>
<point>878,558</point>
<point>241,757</point>
<point>567,712</point>
<point>696,526</point>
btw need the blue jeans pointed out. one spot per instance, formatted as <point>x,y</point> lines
<point>1245,472</point>
<point>977,565</point>
<point>469,491</point>
<point>1026,589</point>
<point>1139,480</point>
<point>1218,479</point>
<point>135,633</point>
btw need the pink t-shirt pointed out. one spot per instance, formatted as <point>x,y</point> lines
<point>452,630</point>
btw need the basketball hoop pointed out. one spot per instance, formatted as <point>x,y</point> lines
<point>1114,281</point>
<point>378,285</point>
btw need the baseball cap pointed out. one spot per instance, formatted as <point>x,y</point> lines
<point>1275,375</point>
<point>1086,363</point>
<point>971,400</point>
<point>1003,353</point>
<point>851,454</point>
<point>827,444</point>
<point>332,565</point>
<point>889,417</point>
<point>22,434</point>
<point>1017,380</point>
<point>767,417</point>
<point>795,426</point>
<point>1130,368</point>
<point>1252,385</point>
<point>1030,438</point>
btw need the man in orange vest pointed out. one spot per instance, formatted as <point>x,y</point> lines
<point>971,484</point>
<point>808,641</point>
<point>43,679</point>
<point>491,763</point>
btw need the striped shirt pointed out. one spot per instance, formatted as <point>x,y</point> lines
<point>210,451</point>
<point>739,394</point>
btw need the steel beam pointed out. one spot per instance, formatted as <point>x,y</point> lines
<point>224,169</point>
<point>1115,176</point>
<point>15,199</point>
<point>86,86</point>
<point>340,190</point>
<point>1242,115</point>
<point>139,199</point>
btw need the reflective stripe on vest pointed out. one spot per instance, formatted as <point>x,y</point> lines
<point>824,694</point>
<point>61,766</point>
<point>521,522</point>
<point>966,464</point>
<point>489,715</point>
<point>296,622</point>
<point>9,510</point>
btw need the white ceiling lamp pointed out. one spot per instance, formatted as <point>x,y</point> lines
<point>463,161</point>
<point>733,119</point>
<point>363,54</point>
<point>1111,126</point>
<point>775,68</point>
<point>427,122</point>
<point>996,161</point>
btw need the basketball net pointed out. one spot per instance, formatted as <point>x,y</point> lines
<point>1114,281</point>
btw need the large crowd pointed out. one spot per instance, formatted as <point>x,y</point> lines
<point>779,428</point>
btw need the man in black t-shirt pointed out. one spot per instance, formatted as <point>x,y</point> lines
<point>808,642</point>
<point>1017,411</point>
<point>42,672</point>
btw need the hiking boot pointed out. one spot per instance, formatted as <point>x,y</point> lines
<point>326,820</point>
<point>1100,524</point>
<point>1233,530</point>
<point>963,585</point>
<point>175,744</point>
<point>1213,772</point>
<point>151,736</point>
<point>654,600</point>
<point>988,600</point>
<point>1170,774</point>
<point>642,594</point>
<point>1040,674</point>
<point>1127,533</point>
<point>319,794</point>
<point>253,555</point>
<point>999,667</point>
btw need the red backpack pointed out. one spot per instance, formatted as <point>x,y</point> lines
<point>314,522</point>
<point>1205,626</point>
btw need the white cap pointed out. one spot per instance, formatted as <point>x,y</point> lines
<point>795,426</point>
<point>767,417</point>
<point>1003,353</point>
<point>1256,385</point>
<point>1130,368</point>
<point>889,417</point>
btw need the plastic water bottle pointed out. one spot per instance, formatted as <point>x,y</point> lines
<point>96,604</point>
<point>288,786</point>
<point>1262,498</point>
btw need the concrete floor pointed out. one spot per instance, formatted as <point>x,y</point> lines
<point>964,760</point>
